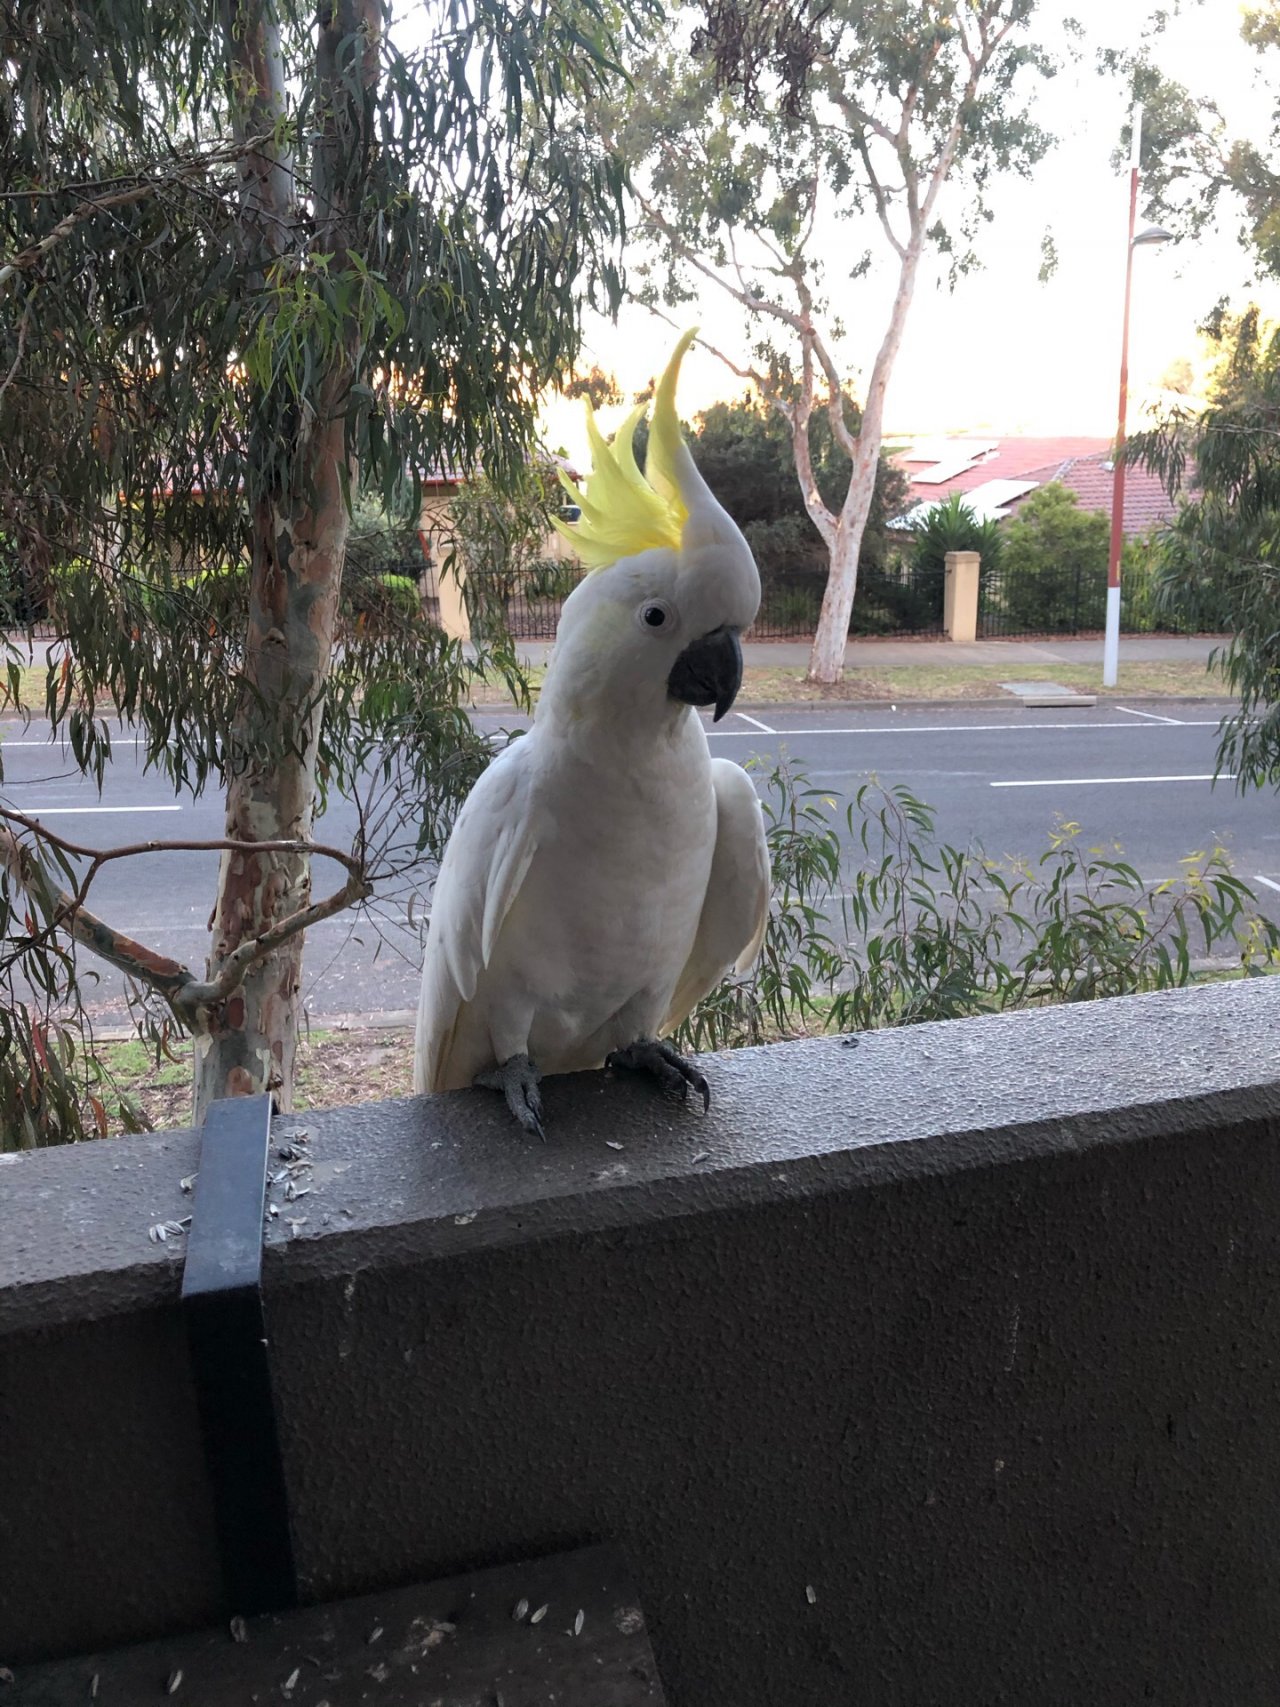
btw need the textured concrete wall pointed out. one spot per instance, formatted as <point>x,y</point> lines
<point>970,1331</point>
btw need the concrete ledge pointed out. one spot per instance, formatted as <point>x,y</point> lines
<point>969,1329</point>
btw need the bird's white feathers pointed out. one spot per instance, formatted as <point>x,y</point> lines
<point>605,873</point>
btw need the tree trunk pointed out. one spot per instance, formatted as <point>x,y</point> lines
<point>299,536</point>
<point>826,659</point>
<point>298,549</point>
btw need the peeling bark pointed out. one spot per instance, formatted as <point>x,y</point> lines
<point>299,535</point>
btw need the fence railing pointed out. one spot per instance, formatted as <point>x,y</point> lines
<point>903,600</point>
<point>1062,600</point>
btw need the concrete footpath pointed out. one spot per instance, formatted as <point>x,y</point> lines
<point>940,654</point>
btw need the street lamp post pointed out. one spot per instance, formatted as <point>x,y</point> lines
<point>1152,234</point>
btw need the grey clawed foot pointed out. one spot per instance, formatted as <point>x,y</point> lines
<point>517,1078</point>
<point>665,1063</point>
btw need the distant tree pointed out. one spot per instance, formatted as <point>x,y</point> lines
<point>745,454</point>
<point>596,385</point>
<point>782,122</point>
<point>1054,557</point>
<point>1219,560</point>
<point>255,260</point>
<point>1196,166</point>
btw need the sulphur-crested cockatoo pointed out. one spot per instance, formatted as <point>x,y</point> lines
<point>606,872</point>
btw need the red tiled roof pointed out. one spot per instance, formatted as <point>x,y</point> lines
<point>1091,478</point>
<point>1011,460</point>
<point>1082,464</point>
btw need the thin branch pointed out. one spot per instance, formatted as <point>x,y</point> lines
<point>755,305</point>
<point>91,205</point>
<point>24,326</point>
<point>185,993</point>
<point>756,378</point>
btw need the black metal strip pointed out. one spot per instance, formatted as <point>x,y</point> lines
<point>226,1332</point>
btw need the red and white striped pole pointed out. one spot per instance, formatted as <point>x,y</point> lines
<point>1111,643</point>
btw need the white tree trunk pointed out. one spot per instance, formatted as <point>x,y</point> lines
<point>826,660</point>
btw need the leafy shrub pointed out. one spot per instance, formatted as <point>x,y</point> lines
<point>1054,578</point>
<point>888,926</point>
<point>386,598</point>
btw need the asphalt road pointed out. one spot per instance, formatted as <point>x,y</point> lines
<point>998,774</point>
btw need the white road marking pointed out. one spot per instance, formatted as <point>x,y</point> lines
<point>1098,781</point>
<point>754,720</point>
<point>79,811</point>
<point>952,728</point>
<point>1155,716</point>
<point>1270,882</point>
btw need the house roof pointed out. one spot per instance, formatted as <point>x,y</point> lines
<point>1092,479</point>
<point>938,467</point>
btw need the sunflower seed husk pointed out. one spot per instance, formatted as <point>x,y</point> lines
<point>579,1621</point>
<point>93,1687</point>
<point>810,1594</point>
<point>239,1629</point>
<point>520,1611</point>
<point>288,1685</point>
<point>540,1614</point>
<point>175,1682</point>
<point>374,1634</point>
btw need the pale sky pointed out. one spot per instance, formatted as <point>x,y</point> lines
<point>1005,353</point>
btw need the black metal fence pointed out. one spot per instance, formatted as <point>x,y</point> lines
<point>1068,599</point>
<point>902,600</point>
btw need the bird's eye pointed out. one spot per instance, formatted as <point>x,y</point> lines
<point>654,615</point>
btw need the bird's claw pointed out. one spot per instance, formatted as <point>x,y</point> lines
<point>517,1078</point>
<point>665,1063</point>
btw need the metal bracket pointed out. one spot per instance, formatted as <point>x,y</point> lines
<point>230,1358</point>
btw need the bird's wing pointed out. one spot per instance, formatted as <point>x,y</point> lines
<point>736,908</point>
<point>485,863</point>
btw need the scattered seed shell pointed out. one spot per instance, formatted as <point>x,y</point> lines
<point>239,1629</point>
<point>579,1621</point>
<point>93,1687</point>
<point>6,1676</point>
<point>379,1673</point>
<point>520,1611</point>
<point>612,1144</point>
<point>810,1594</point>
<point>288,1685</point>
<point>175,1682</point>
<point>374,1634</point>
<point>540,1614</point>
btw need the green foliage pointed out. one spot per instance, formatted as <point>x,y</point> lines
<point>1196,166</point>
<point>380,541</point>
<point>1221,554</point>
<point>744,453</point>
<point>259,268</point>
<point>500,530</point>
<point>875,922</point>
<point>893,118</point>
<point>952,526</point>
<point>1055,564</point>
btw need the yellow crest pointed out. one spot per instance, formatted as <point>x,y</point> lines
<point>623,512</point>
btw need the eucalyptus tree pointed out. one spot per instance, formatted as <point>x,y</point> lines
<point>254,261</point>
<point>1220,558</point>
<point>785,155</point>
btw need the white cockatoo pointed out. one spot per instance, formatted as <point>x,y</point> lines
<point>606,872</point>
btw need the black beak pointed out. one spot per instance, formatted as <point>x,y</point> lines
<point>708,671</point>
